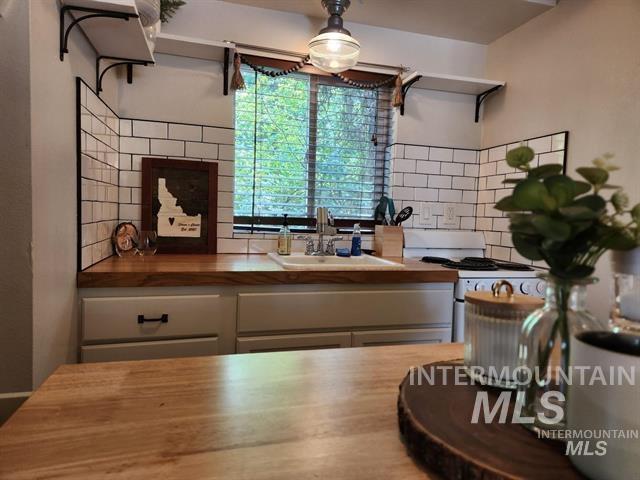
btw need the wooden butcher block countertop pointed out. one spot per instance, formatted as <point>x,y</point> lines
<point>326,414</point>
<point>231,269</point>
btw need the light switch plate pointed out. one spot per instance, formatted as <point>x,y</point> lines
<point>450,217</point>
<point>427,215</point>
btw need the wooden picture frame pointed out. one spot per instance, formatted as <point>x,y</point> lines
<point>192,187</point>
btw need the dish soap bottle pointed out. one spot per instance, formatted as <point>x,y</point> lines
<point>356,241</point>
<point>284,238</point>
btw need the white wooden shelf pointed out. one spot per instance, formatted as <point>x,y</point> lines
<point>192,47</point>
<point>112,37</point>
<point>479,87</point>
<point>451,83</point>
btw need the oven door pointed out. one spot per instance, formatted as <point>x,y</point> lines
<point>458,320</point>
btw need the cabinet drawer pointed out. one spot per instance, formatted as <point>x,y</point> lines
<point>311,341</point>
<point>117,318</point>
<point>281,311</point>
<point>190,347</point>
<point>401,337</point>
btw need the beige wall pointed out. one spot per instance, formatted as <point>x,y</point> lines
<point>38,312</point>
<point>53,160</point>
<point>185,90</point>
<point>15,204</point>
<point>576,68</point>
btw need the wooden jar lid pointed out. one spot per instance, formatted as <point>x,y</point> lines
<point>509,301</point>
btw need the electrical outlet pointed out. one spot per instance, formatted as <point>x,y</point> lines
<point>450,217</point>
<point>427,215</point>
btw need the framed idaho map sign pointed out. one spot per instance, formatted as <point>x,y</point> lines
<point>179,202</point>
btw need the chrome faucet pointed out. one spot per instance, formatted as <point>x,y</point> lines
<point>324,226</point>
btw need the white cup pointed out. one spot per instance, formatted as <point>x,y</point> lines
<point>593,409</point>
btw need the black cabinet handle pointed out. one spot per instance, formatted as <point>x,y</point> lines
<point>163,319</point>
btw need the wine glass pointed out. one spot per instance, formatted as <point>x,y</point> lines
<point>147,242</point>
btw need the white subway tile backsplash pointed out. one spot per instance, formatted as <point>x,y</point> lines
<point>470,197</point>
<point>124,195</point>
<point>471,170</point>
<point>540,145</point>
<point>439,181</point>
<point>225,199</point>
<point>453,196</point>
<point>441,154</point>
<point>415,180</point>
<point>404,193</point>
<point>426,194</point>
<point>134,145</point>
<point>202,150</point>
<point>495,181</point>
<point>416,152</point>
<point>179,131</point>
<point>218,135</point>
<point>498,153</point>
<point>226,152</point>
<point>170,148</point>
<point>126,129</point>
<point>136,195</point>
<point>465,156</point>
<point>427,166</point>
<point>236,245</point>
<point>452,169</point>
<point>130,212</point>
<point>559,141</point>
<point>404,165</point>
<point>467,223</point>
<point>130,179</point>
<point>225,215</point>
<point>464,183</point>
<point>553,157</point>
<point>147,129</point>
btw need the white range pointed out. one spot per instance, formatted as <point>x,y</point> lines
<point>473,274</point>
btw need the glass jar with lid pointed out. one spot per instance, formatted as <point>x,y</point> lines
<point>493,322</point>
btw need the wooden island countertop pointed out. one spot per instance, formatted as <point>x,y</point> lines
<point>232,269</point>
<point>285,415</point>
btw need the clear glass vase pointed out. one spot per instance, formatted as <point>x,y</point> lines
<point>543,353</point>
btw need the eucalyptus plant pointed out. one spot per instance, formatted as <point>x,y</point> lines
<point>565,222</point>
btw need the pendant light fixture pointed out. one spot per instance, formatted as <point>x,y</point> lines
<point>334,50</point>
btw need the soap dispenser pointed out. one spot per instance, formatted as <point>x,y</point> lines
<point>356,241</point>
<point>284,238</point>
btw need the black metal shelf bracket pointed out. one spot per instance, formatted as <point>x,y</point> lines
<point>482,97</point>
<point>225,72</point>
<point>119,61</point>
<point>91,13</point>
<point>405,89</point>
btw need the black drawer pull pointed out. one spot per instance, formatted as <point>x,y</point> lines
<point>163,319</point>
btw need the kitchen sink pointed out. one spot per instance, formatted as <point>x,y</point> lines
<point>299,261</point>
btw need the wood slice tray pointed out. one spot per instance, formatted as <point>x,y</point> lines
<point>435,423</point>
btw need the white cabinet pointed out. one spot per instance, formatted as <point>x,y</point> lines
<point>162,322</point>
<point>344,308</point>
<point>188,347</point>
<point>125,327</point>
<point>310,341</point>
<point>409,336</point>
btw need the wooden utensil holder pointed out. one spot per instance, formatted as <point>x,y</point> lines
<point>388,241</point>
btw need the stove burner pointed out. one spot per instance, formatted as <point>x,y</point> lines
<point>478,264</point>
<point>439,260</point>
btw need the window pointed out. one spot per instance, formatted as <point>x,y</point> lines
<point>305,141</point>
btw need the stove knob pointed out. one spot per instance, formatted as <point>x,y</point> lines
<point>524,288</point>
<point>541,287</point>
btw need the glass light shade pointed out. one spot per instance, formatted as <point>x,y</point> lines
<point>334,52</point>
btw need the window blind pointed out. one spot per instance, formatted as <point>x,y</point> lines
<point>305,141</point>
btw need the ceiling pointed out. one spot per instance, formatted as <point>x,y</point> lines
<point>480,21</point>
